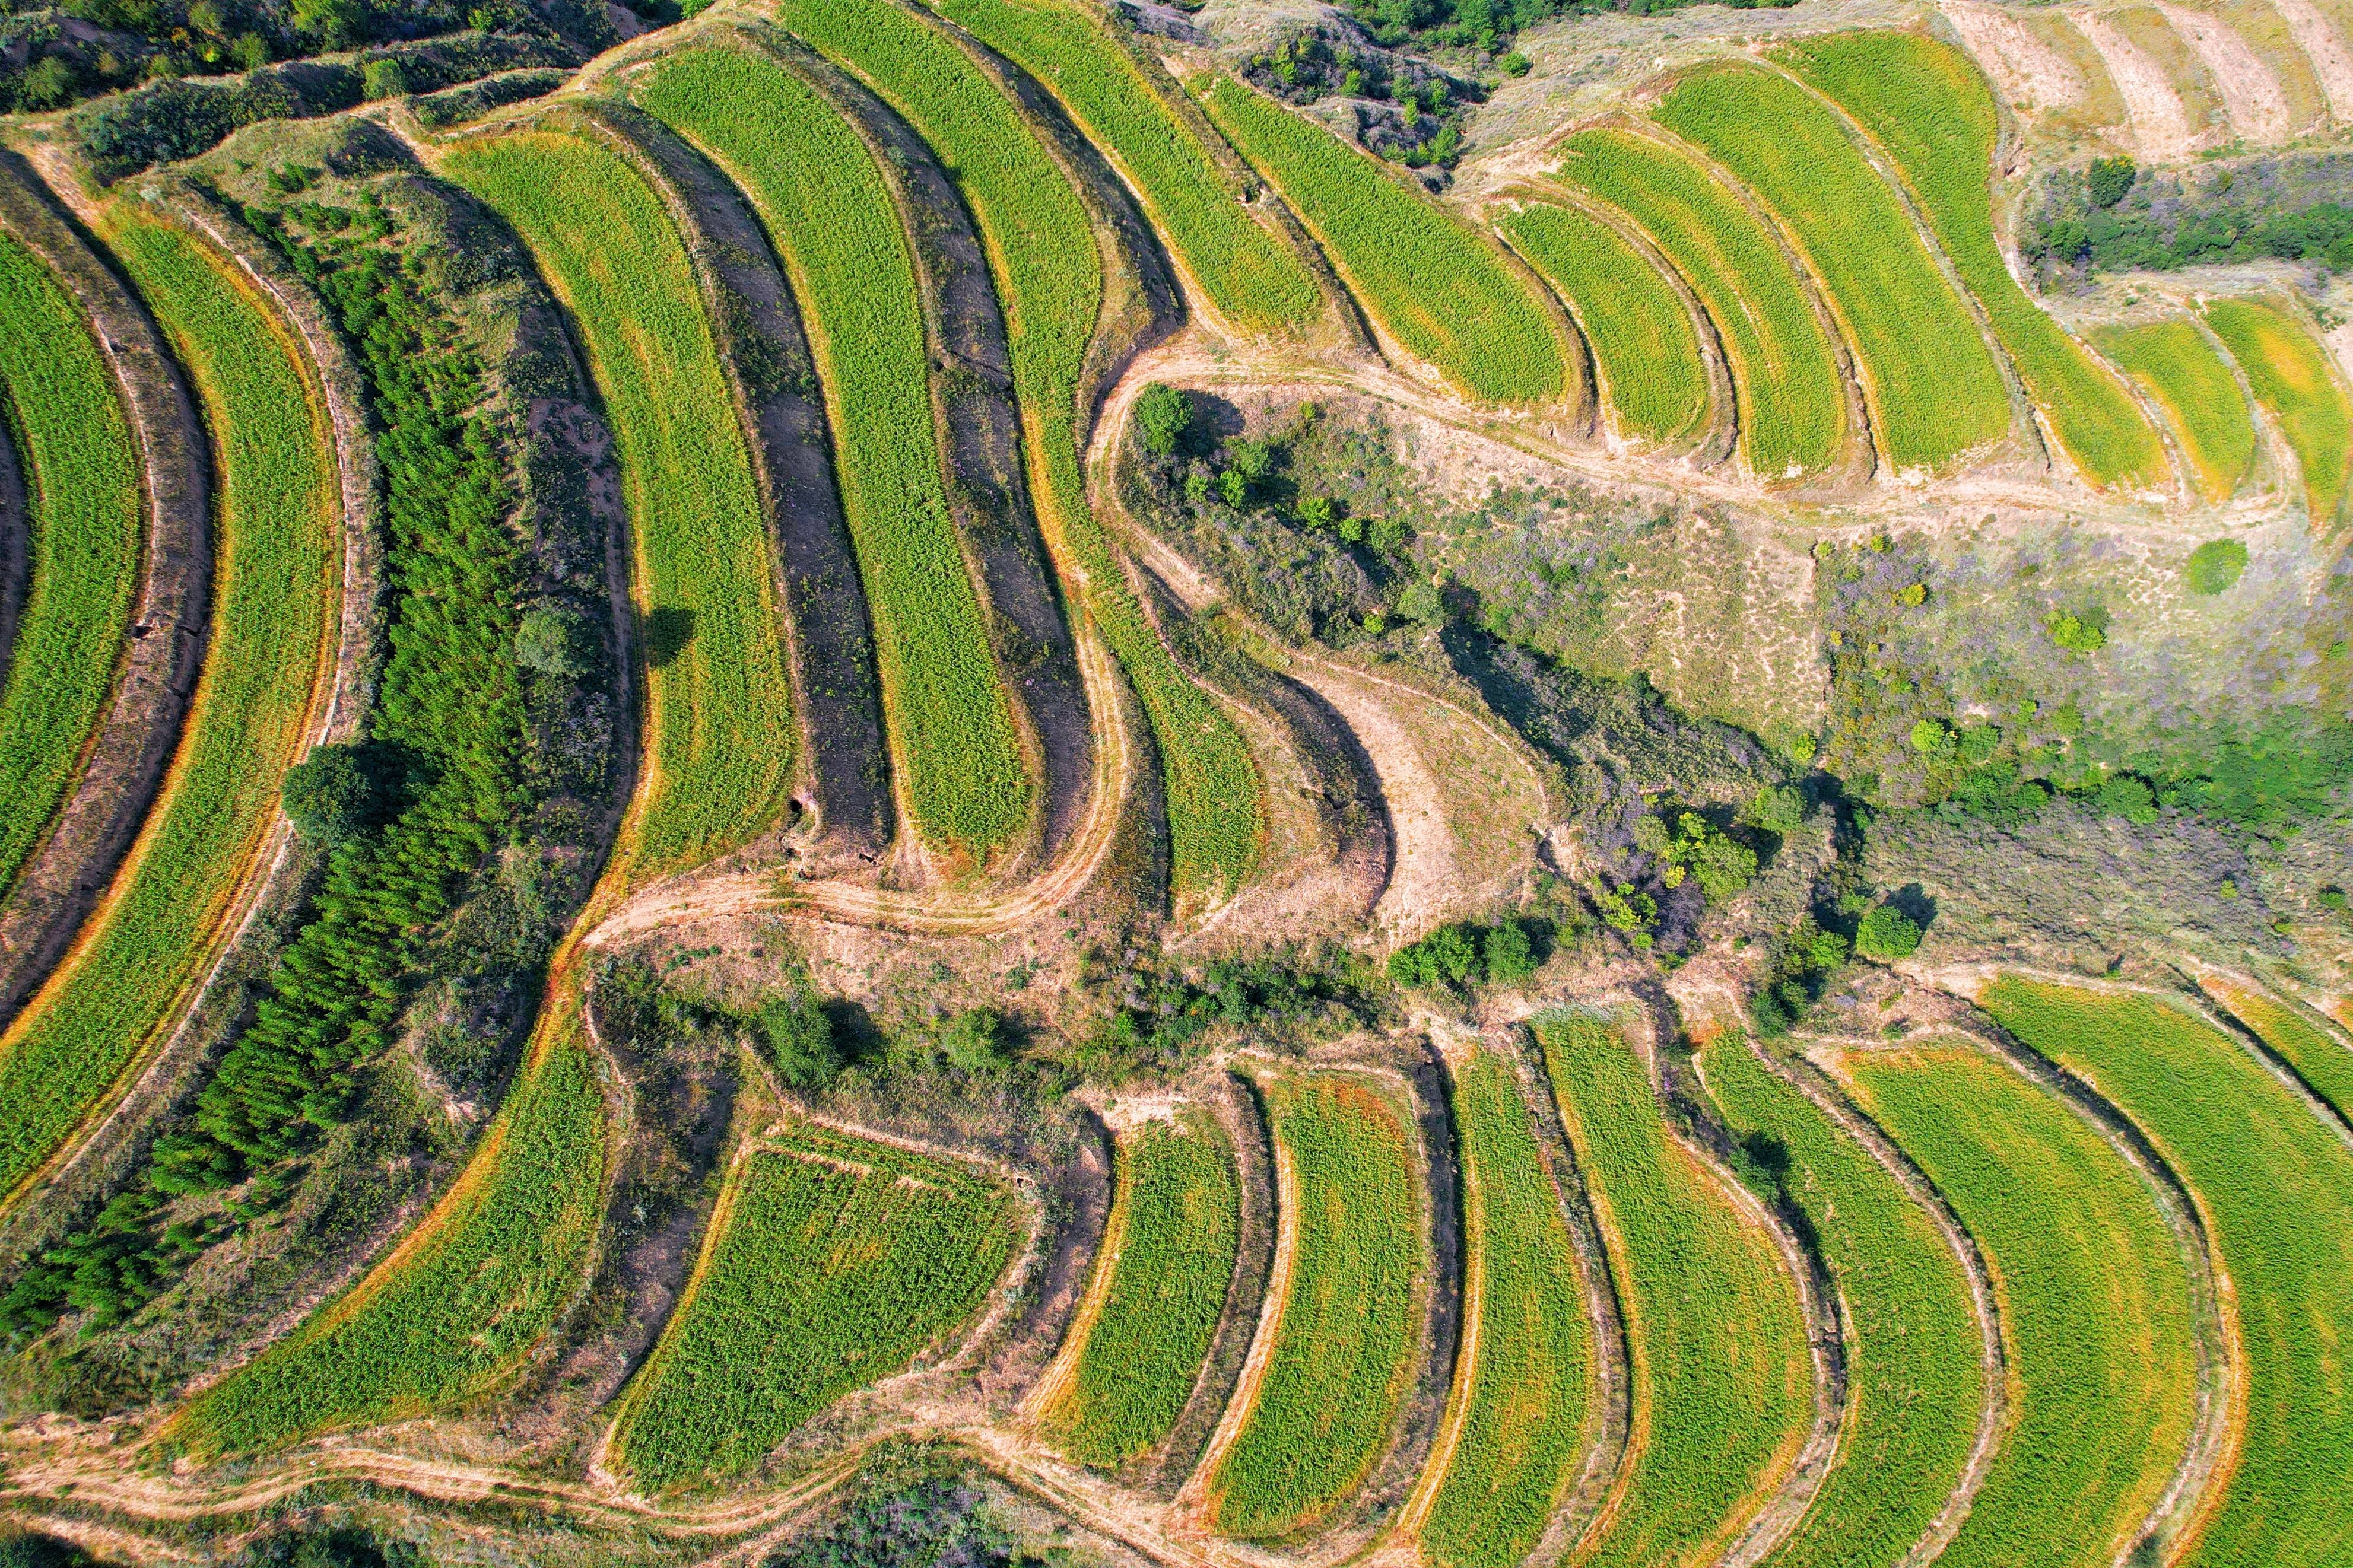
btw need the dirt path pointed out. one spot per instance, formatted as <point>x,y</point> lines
<point>2027,72</point>
<point>2160,127</point>
<point>2250,94</point>
<point>2331,62</point>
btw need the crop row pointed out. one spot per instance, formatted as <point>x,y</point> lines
<point>822,198</point>
<point>1248,269</point>
<point>838,1261</point>
<point>2183,375</point>
<point>1041,249</point>
<point>276,517</point>
<point>2293,378</point>
<point>82,513</point>
<point>1178,1226</point>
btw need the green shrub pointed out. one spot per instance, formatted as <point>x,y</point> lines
<point>800,1040</point>
<point>332,794</point>
<point>383,79</point>
<point>2215,566</point>
<point>556,639</point>
<point>977,1041</point>
<point>2110,179</point>
<point>2129,796</point>
<point>2086,633</point>
<point>1511,63</point>
<point>1887,934</point>
<point>1163,416</point>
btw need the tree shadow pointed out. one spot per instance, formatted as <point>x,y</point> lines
<point>668,628</point>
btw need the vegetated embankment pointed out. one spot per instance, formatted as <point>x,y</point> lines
<point>2294,380</point>
<point>2321,1059</point>
<point>2174,361</point>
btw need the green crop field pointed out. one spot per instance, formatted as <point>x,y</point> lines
<point>473,1287</point>
<point>1936,391</point>
<point>720,767</point>
<point>1180,1219</point>
<point>823,200</point>
<point>2319,1057</point>
<point>1041,249</point>
<point>1792,397</point>
<point>2292,377</point>
<point>1442,290</point>
<point>1344,1346</point>
<point>1532,1383</point>
<point>840,1260</point>
<point>1641,334</point>
<point>82,493</point>
<point>2176,366</point>
<point>1914,1382</point>
<point>1924,103</point>
<point>278,507</point>
<point>2094,1296</point>
<point>1723,1383</point>
<point>1249,272</point>
<point>2276,1183</point>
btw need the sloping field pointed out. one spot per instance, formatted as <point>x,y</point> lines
<point>2174,364</point>
<point>2095,1301</point>
<point>1643,341</point>
<point>825,206</point>
<point>82,512</point>
<point>1914,1386</point>
<point>1936,391</point>
<point>1792,397</point>
<point>1927,108</point>
<point>1442,290</point>
<point>2292,379</point>
<point>1179,1223</point>
<point>2276,1183</point>
<point>278,553</point>
<point>2319,1057</point>
<point>1722,1383</point>
<point>720,767</point>
<point>453,1309</point>
<point>1343,1345</point>
<point>1532,1380</point>
<point>1041,247</point>
<point>837,1261</point>
<point>1248,269</point>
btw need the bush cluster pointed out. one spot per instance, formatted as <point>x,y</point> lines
<point>1462,954</point>
<point>2107,218</point>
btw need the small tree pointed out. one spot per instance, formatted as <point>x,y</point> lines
<point>1778,809</point>
<point>382,79</point>
<point>1887,934</point>
<point>800,1040</point>
<point>331,795</point>
<point>1164,416</point>
<point>1509,953</point>
<point>975,1040</point>
<point>2110,181</point>
<point>556,639</point>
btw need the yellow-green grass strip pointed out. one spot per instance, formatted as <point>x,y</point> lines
<point>1722,1378</point>
<point>2293,378</point>
<point>2319,1057</point>
<point>721,721</point>
<point>2275,1182</point>
<point>274,580</point>
<point>1793,398</point>
<point>2095,1298</point>
<point>838,1261</point>
<point>1344,1346</point>
<point>1936,391</point>
<point>456,1305</point>
<point>2177,367</point>
<point>82,516</point>
<point>1532,1382</point>
<point>1441,289</point>
<point>1249,272</point>
<point>1180,1219</point>
<point>822,198</point>
<point>1915,1385</point>
<point>1041,249</point>
<point>1925,104</point>
<point>1643,341</point>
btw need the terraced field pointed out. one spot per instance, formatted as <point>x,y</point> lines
<point>2292,379</point>
<point>2177,367</point>
<point>1722,1383</point>
<point>66,426</point>
<point>2253,1153</point>
<point>2321,1059</point>
<point>824,203</point>
<point>2095,1312</point>
<point>837,1261</point>
<point>273,616</point>
<point>1178,1226</point>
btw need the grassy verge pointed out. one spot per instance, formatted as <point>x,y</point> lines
<point>1936,390</point>
<point>1249,272</point>
<point>1793,398</point>
<point>1182,1217</point>
<point>2173,362</point>
<point>2292,377</point>
<point>721,708</point>
<point>2094,1300</point>
<point>840,1260</point>
<point>1915,1385</point>
<point>824,203</point>
<point>1041,249</point>
<point>1926,105</point>
<point>82,512</point>
<point>1723,1385</point>
<point>2278,1187</point>
<point>1642,336</point>
<point>1438,286</point>
<point>2324,1063</point>
<point>1532,1380</point>
<point>1345,1344</point>
<point>278,507</point>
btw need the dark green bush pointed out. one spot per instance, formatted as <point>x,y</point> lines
<point>2215,566</point>
<point>1163,416</point>
<point>1887,934</point>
